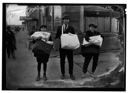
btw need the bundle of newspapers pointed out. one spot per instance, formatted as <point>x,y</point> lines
<point>97,40</point>
<point>43,35</point>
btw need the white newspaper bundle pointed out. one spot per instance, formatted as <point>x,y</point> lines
<point>43,35</point>
<point>97,40</point>
<point>69,41</point>
<point>85,42</point>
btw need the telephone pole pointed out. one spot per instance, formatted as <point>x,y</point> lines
<point>82,18</point>
<point>52,18</point>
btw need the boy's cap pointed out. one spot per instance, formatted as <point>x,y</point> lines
<point>43,26</point>
<point>65,17</point>
<point>92,25</point>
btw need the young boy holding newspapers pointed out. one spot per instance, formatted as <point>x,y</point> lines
<point>91,48</point>
<point>41,39</point>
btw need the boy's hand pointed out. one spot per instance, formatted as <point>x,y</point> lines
<point>39,37</point>
<point>91,41</point>
<point>50,42</point>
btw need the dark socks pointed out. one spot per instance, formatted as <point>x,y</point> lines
<point>38,69</point>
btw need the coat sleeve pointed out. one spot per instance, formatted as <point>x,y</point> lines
<point>58,34</point>
<point>50,39</point>
<point>72,30</point>
<point>100,34</point>
<point>87,36</point>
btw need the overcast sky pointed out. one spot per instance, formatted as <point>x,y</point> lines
<point>57,11</point>
<point>13,13</point>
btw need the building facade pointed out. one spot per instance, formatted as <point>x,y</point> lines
<point>109,21</point>
<point>104,16</point>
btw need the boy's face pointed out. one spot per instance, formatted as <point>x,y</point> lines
<point>66,21</point>
<point>43,29</point>
<point>91,28</point>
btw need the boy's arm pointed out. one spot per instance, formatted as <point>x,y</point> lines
<point>58,33</point>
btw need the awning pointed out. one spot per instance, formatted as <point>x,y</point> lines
<point>98,11</point>
<point>25,18</point>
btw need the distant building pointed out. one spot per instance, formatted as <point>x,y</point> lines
<point>37,15</point>
<point>108,18</point>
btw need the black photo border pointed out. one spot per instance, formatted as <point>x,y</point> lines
<point>51,89</point>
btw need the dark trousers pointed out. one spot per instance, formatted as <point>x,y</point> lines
<point>69,54</point>
<point>88,58</point>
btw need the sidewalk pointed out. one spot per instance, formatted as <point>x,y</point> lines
<point>21,72</point>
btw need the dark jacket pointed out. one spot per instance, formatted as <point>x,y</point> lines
<point>91,48</point>
<point>39,53</point>
<point>10,40</point>
<point>70,29</point>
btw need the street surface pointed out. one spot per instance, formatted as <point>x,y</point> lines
<point>22,71</point>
